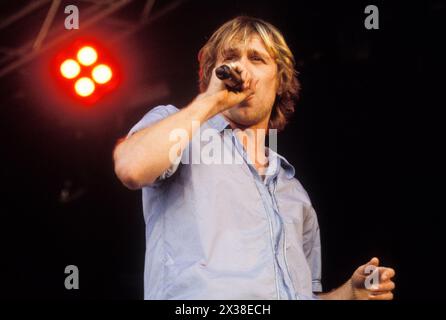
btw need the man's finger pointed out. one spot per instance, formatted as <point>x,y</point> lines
<point>386,273</point>
<point>253,84</point>
<point>383,287</point>
<point>382,296</point>
<point>245,76</point>
<point>248,84</point>
<point>374,262</point>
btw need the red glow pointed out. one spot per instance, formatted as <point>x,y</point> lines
<point>70,69</point>
<point>87,56</point>
<point>86,71</point>
<point>102,74</point>
<point>84,87</point>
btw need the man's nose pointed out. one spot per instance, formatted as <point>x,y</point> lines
<point>241,64</point>
<point>244,61</point>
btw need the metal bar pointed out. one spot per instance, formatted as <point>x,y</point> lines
<point>33,5</point>
<point>21,61</point>
<point>86,13</point>
<point>46,24</point>
<point>119,23</point>
<point>152,19</point>
<point>147,8</point>
<point>99,2</point>
<point>11,51</point>
<point>6,59</point>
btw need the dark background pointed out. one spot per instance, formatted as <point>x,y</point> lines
<point>365,142</point>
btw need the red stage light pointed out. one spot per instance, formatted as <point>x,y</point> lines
<point>86,71</point>
<point>87,56</point>
<point>102,74</point>
<point>84,86</point>
<point>70,69</point>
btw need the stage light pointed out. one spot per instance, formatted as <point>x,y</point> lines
<point>86,71</point>
<point>84,86</point>
<point>70,69</point>
<point>102,74</point>
<point>87,56</point>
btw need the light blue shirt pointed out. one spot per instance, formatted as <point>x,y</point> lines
<point>220,231</point>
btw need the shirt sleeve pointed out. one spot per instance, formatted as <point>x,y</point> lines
<point>154,115</point>
<point>312,247</point>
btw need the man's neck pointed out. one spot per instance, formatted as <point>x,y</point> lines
<point>253,140</point>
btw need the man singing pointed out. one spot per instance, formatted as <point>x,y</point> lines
<point>238,229</point>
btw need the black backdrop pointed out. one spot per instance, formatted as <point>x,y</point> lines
<point>363,142</point>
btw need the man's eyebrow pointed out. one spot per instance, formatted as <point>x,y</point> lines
<point>230,51</point>
<point>262,54</point>
<point>234,51</point>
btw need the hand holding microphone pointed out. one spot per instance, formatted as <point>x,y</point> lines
<point>228,87</point>
<point>230,76</point>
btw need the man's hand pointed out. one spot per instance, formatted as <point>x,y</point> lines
<point>363,289</point>
<point>224,98</point>
<point>368,282</point>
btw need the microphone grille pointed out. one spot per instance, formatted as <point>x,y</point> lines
<point>223,72</point>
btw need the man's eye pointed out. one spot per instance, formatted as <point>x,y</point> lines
<point>228,58</point>
<point>257,58</point>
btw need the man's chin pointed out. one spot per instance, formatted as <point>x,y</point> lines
<point>245,120</point>
<point>245,104</point>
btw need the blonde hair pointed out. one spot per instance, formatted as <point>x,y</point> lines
<point>242,28</point>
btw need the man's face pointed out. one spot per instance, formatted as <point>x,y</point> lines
<point>255,59</point>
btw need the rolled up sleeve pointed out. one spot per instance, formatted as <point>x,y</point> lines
<point>312,248</point>
<point>153,116</point>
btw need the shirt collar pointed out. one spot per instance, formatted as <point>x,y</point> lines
<point>219,123</point>
<point>287,167</point>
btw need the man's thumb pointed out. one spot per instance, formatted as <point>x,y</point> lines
<point>374,261</point>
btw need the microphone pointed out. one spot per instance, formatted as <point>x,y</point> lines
<point>231,78</point>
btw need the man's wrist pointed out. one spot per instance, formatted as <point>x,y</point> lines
<point>203,107</point>
<point>351,290</point>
